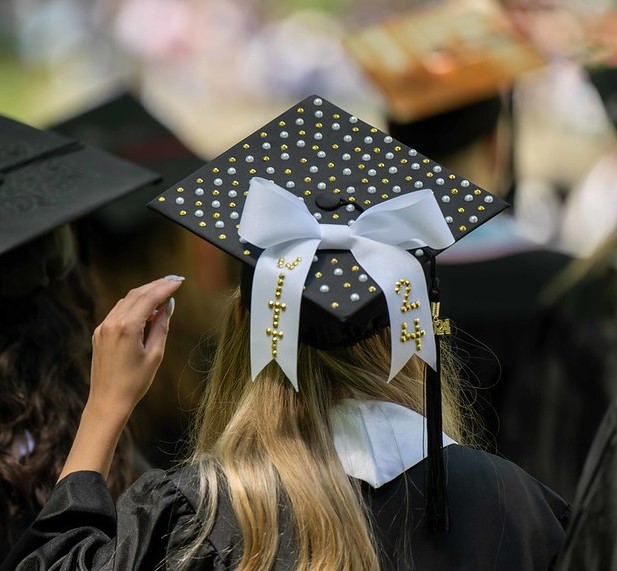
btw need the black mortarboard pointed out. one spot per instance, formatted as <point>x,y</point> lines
<point>124,127</point>
<point>47,180</point>
<point>343,170</point>
<point>339,166</point>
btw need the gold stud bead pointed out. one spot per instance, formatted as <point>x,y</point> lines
<point>451,177</point>
<point>355,268</point>
<point>246,146</point>
<point>198,203</point>
<point>199,180</point>
<point>481,208</point>
<point>334,305</point>
<point>179,189</point>
<point>462,228</point>
<point>477,191</point>
<point>215,170</point>
<point>222,237</point>
<point>182,212</point>
<point>454,191</point>
<point>346,285</point>
<point>216,215</point>
<point>461,210</point>
<point>372,289</point>
<point>334,261</point>
<point>215,193</point>
<point>318,274</point>
<point>202,224</point>
<point>247,252</point>
<point>161,199</point>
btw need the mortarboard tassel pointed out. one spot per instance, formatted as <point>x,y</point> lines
<point>436,496</point>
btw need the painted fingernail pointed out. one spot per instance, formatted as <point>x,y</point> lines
<point>174,278</point>
<point>171,305</point>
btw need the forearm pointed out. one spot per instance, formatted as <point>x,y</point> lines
<point>95,441</point>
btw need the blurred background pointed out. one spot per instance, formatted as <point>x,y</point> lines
<point>213,71</point>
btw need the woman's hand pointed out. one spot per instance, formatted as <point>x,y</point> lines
<point>125,358</point>
<point>124,362</point>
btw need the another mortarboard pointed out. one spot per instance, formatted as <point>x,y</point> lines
<point>124,127</point>
<point>434,59</point>
<point>332,219</point>
<point>47,180</point>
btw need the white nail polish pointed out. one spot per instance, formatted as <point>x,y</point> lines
<point>171,305</point>
<point>174,278</point>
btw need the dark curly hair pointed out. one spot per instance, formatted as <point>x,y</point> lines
<point>45,350</point>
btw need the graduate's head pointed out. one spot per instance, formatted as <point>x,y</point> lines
<point>46,302</point>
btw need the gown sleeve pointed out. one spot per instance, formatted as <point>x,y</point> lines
<point>80,529</point>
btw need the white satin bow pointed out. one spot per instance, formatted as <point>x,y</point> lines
<point>281,224</point>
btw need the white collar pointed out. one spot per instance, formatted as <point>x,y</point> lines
<point>376,441</point>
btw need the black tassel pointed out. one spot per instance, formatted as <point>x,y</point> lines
<point>436,496</point>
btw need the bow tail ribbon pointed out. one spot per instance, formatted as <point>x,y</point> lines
<point>404,287</point>
<point>279,278</point>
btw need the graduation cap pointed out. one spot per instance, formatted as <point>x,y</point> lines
<point>333,220</point>
<point>48,180</point>
<point>436,58</point>
<point>124,127</point>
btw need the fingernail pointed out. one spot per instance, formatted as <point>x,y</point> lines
<point>171,305</point>
<point>174,278</point>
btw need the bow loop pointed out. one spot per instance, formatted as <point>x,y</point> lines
<point>281,224</point>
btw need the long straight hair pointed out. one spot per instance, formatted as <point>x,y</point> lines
<point>269,443</point>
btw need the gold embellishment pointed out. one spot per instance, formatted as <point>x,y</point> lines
<point>277,306</point>
<point>199,180</point>
<point>179,189</point>
<point>161,199</point>
<point>293,265</point>
<point>416,335</point>
<point>406,306</point>
<point>440,326</point>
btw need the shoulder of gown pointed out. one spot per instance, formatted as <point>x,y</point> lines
<point>500,517</point>
<point>80,528</point>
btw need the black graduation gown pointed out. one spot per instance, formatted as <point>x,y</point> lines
<point>501,518</point>
<point>544,363</point>
<point>592,536</point>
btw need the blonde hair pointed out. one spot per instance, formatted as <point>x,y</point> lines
<point>271,443</point>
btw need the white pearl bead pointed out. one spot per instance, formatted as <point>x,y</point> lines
<point>354,297</point>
